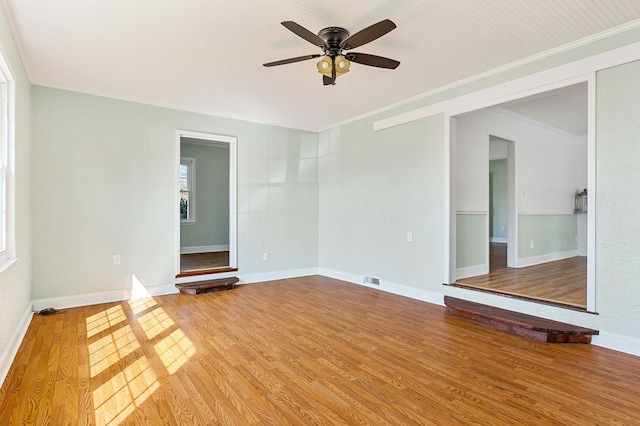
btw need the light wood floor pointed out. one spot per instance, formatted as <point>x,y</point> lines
<point>563,281</point>
<point>304,351</point>
<point>194,262</point>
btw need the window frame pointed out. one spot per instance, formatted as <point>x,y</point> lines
<point>7,163</point>
<point>190,162</point>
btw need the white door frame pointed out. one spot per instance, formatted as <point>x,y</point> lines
<point>211,139</point>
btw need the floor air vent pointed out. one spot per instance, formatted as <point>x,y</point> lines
<point>371,280</point>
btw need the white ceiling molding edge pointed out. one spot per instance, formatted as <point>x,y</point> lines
<point>557,76</point>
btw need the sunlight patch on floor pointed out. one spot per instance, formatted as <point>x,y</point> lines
<point>174,350</point>
<point>104,320</point>
<point>111,348</point>
<point>118,398</point>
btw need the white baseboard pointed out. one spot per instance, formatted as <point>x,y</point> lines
<point>471,271</point>
<point>13,344</point>
<point>81,300</point>
<point>159,290</point>
<point>203,249</point>
<point>499,240</point>
<point>617,342</point>
<point>276,275</point>
<point>544,258</point>
<point>386,286</point>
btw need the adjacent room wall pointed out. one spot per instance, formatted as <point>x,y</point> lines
<point>15,279</point>
<point>211,228</point>
<point>104,182</point>
<point>545,175</point>
<point>498,200</point>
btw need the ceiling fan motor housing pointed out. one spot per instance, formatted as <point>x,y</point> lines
<point>333,36</point>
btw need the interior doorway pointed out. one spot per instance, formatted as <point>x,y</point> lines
<point>541,254</point>
<point>206,204</point>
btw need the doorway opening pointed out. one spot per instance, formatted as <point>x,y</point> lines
<point>206,240</point>
<point>515,229</point>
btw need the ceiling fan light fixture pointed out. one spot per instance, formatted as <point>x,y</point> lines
<point>342,65</point>
<point>324,66</point>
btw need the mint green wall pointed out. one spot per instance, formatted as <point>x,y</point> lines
<point>550,233</point>
<point>376,187</point>
<point>498,200</point>
<point>15,280</point>
<point>618,198</point>
<point>104,182</point>
<point>471,240</point>
<point>212,197</point>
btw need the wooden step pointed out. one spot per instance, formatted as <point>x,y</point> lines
<point>207,286</point>
<point>535,328</point>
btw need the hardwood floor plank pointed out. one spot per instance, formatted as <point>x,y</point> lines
<point>304,351</point>
<point>562,281</point>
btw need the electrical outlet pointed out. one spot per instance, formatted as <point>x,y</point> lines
<point>116,259</point>
<point>504,228</point>
<point>265,256</point>
<point>410,236</point>
<point>531,243</point>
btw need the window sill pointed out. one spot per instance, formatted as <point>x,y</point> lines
<point>187,222</point>
<point>6,264</point>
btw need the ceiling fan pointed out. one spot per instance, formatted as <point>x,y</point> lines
<point>334,42</point>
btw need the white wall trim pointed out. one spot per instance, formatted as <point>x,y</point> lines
<point>386,286</point>
<point>472,271</point>
<point>548,213</point>
<point>472,212</point>
<point>203,249</point>
<point>276,275</point>
<point>544,258</point>
<point>499,240</point>
<point>510,90</point>
<point>160,290</point>
<point>85,299</point>
<point>617,342</point>
<point>13,344</point>
<point>495,71</point>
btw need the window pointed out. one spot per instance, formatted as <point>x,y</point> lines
<point>187,190</point>
<point>6,134</point>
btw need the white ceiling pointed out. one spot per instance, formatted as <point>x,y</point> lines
<point>207,56</point>
<point>564,109</point>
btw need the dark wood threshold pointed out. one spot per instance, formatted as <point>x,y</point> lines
<point>518,296</point>
<point>534,328</point>
<point>196,272</point>
<point>208,286</point>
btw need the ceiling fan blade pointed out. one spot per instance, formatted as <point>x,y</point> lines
<point>372,60</point>
<point>368,34</point>
<point>301,31</point>
<point>291,60</point>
